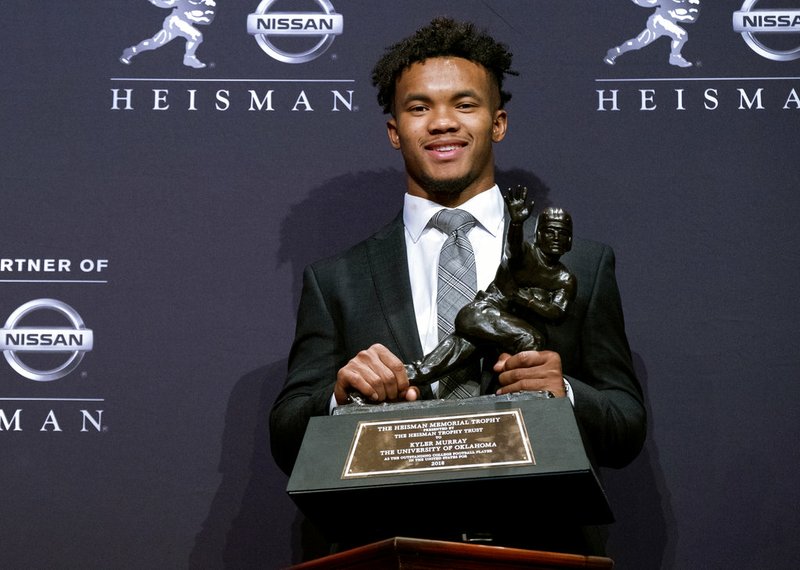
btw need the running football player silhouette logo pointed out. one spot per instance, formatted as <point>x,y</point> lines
<point>666,20</point>
<point>181,23</point>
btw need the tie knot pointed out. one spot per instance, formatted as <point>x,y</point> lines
<point>448,221</point>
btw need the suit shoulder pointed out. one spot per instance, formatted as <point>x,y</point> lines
<point>359,251</point>
<point>585,246</point>
<point>589,255</point>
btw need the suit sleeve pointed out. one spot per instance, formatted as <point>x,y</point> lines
<point>314,360</point>
<point>608,398</point>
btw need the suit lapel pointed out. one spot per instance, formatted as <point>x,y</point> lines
<point>389,268</point>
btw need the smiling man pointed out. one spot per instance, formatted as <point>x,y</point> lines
<point>446,116</point>
<point>369,310</point>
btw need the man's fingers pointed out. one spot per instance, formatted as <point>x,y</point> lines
<point>410,395</point>
<point>525,359</point>
<point>354,378</point>
<point>374,372</point>
<point>392,372</point>
<point>530,370</point>
<point>500,365</point>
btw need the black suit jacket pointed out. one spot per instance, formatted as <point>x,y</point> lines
<point>363,296</point>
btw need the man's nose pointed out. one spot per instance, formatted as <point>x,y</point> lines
<point>443,121</point>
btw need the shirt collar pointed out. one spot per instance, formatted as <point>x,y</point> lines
<point>488,208</point>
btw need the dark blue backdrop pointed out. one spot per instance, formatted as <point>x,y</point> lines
<point>186,219</point>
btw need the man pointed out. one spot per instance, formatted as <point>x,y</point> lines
<point>369,310</point>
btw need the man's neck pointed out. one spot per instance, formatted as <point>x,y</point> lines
<point>451,199</point>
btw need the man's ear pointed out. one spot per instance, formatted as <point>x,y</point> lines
<point>499,125</point>
<point>391,131</point>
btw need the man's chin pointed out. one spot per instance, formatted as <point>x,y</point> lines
<point>446,187</point>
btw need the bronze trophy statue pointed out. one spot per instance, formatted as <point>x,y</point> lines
<point>531,287</point>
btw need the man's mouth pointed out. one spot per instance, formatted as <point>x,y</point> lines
<point>445,149</point>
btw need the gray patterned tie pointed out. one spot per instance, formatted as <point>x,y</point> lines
<point>457,287</point>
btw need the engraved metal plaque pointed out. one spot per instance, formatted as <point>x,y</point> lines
<point>439,443</point>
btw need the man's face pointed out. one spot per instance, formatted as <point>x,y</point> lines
<point>445,121</point>
<point>555,238</point>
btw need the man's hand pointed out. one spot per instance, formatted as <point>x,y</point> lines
<point>377,374</point>
<point>531,371</point>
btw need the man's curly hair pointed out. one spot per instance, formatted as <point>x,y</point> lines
<point>442,37</point>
